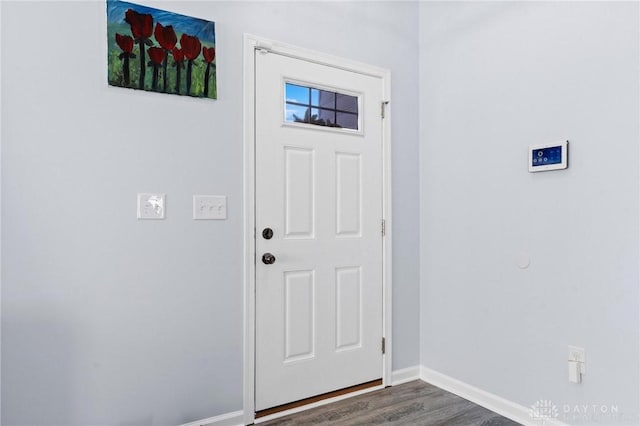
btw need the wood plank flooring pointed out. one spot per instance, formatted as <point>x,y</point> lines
<point>413,403</point>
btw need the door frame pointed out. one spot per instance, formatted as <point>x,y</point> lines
<point>251,43</point>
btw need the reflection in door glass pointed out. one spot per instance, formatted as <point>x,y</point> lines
<point>320,107</point>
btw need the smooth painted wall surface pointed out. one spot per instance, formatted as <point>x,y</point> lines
<point>496,77</point>
<point>108,320</point>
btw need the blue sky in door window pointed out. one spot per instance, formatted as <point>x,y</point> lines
<point>296,110</point>
<point>315,96</point>
<point>297,94</point>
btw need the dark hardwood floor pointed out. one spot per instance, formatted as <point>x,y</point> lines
<point>413,403</point>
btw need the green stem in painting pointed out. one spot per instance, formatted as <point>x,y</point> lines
<point>142,65</point>
<point>206,80</point>
<point>178,70</point>
<point>189,66</point>
<point>154,81</point>
<point>125,69</point>
<point>164,70</point>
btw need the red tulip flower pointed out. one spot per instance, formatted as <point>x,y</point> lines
<point>191,48</point>
<point>166,38</point>
<point>209,54</point>
<point>141,27</point>
<point>178,57</point>
<point>126,44</point>
<point>141,24</point>
<point>157,56</point>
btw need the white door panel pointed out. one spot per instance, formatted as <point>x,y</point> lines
<point>299,193</point>
<point>319,313</point>
<point>348,194</point>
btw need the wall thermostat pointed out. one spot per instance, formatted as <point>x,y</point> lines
<point>552,156</point>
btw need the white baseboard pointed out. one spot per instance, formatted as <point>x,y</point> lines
<point>495,403</point>
<point>235,418</point>
<point>405,375</point>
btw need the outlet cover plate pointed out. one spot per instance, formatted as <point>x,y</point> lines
<point>151,206</point>
<point>209,207</point>
<point>577,354</point>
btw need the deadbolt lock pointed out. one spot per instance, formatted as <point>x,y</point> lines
<point>267,233</point>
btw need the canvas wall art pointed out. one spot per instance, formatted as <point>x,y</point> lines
<point>160,51</point>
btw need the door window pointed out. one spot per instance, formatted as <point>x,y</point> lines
<point>310,105</point>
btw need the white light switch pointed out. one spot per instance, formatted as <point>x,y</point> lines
<point>151,206</point>
<point>209,207</point>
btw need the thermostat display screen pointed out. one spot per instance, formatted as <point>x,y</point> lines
<point>546,156</point>
<point>551,156</point>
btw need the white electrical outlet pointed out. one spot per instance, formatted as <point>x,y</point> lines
<point>151,206</point>
<point>209,207</point>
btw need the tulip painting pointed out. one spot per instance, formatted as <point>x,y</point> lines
<point>173,53</point>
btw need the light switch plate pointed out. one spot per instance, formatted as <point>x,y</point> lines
<point>209,207</point>
<point>151,206</point>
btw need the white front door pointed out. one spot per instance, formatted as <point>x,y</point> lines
<point>319,305</point>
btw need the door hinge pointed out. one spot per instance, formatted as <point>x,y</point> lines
<point>384,227</point>
<point>383,345</point>
<point>263,47</point>
<point>383,108</point>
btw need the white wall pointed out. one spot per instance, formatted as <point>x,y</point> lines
<point>496,77</point>
<point>111,320</point>
<point>0,215</point>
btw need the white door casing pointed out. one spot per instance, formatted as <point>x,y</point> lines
<point>319,316</point>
